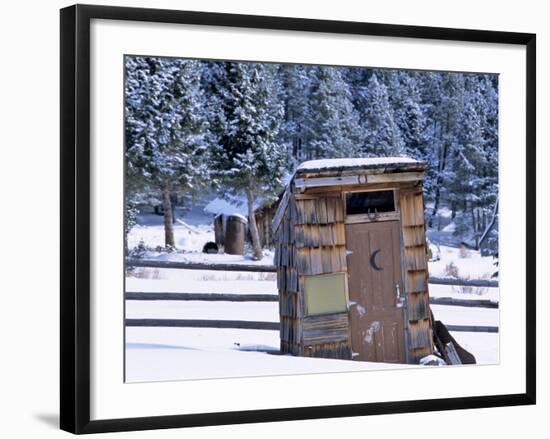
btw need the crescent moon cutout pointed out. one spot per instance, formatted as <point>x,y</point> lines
<point>373,260</point>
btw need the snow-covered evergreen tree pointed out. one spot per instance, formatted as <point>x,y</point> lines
<point>445,114</point>
<point>267,118</point>
<point>297,130</point>
<point>167,134</point>
<point>335,123</point>
<point>381,133</point>
<point>248,158</point>
<point>475,181</point>
<point>409,115</point>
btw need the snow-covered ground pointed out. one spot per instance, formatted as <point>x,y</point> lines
<point>167,354</point>
<point>194,353</point>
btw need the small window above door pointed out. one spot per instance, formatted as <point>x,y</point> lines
<point>371,202</point>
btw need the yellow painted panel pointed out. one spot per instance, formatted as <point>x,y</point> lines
<point>325,293</point>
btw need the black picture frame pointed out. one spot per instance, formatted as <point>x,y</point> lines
<point>75,217</point>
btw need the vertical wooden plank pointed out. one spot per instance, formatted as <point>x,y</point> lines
<point>335,259</point>
<point>331,209</point>
<point>321,206</point>
<point>326,234</point>
<point>303,260</point>
<point>339,210</point>
<point>316,261</point>
<point>340,230</point>
<point>342,254</point>
<point>326,259</point>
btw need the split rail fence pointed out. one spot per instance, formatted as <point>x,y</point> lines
<point>262,325</point>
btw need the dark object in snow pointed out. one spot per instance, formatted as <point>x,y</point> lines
<point>235,235</point>
<point>451,351</point>
<point>159,210</point>
<point>210,247</point>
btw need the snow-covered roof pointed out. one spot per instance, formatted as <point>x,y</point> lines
<point>356,163</point>
<point>220,206</point>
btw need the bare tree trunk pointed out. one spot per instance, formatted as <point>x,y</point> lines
<point>490,225</point>
<point>256,246</point>
<point>169,241</point>
<point>474,224</point>
<point>438,183</point>
<point>439,179</point>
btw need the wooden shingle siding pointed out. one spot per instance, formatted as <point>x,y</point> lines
<point>314,235</point>
<point>319,210</point>
<point>310,240</point>
<point>415,264</point>
<point>290,305</point>
<point>320,260</point>
<point>325,328</point>
<point>419,306</point>
<point>318,232</point>
<point>420,337</point>
<point>412,208</point>
<point>416,258</point>
<point>339,350</point>
<point>416,280</point>
<point>414,236</point>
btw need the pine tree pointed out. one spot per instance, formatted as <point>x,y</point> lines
<point>336,130</point>
<point>445,113</point>
<point>475,182</point>
<point>409,115</point>
<point>297,130</point>
<point>382,136</point>
<point>167,136</point>
<point>248,158</point>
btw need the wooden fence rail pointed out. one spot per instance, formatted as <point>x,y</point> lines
<point>250,324</point>
<point>232,297</point>
<point>272,269</point>
<point>188,323</point>
<point>245,324</point>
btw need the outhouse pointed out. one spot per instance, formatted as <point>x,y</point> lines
<point>351,257</point>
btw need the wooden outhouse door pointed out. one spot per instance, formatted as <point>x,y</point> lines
<point>374,283</point>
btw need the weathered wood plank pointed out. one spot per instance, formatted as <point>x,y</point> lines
<point>464,282</point>
<point>452,354</point>
<point>207,297</point>
<point>325,329</point>
<point>414,236</point>
<point>245,324</point>
<point>418,306</point>
<point>420,334</point>
<point>449,301</point>
<point>340,350</point>
<point>412,208</point>
<point>363,218</point>
<point>281,210</point>
<point>476,328</point>
<point>201,266</point>
<point>185,323</point>
<point>314,235</point>
<point>321,205</point>
<point>235,297</point>
<point>360,179</point>
<point>416,258</point>
<point>273,269</point>
<point>416,281</point>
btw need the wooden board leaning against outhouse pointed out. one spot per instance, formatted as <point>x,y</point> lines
<point>310,240</point>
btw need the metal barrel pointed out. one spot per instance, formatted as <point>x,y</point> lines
<point>235,234</point>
